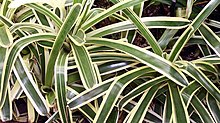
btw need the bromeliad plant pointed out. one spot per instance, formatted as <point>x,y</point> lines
<point>55,60</point>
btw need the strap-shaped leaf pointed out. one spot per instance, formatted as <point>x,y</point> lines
<point>115,90</point>
<point>151,116</point>
<point>85,67</point>
<point>211,38</point>
<point>200,77</point>
<point>6,109</point>
<point>114,116</point>
<point>119,6</point>
<point>61,36</point>
<point>179,110</point>
<point>89,95</point>
<point>87,110</point>
<point>166,37</point>
<point>213,59</point>
<point>140,110</point>
<point>29,25</point>
<point>115,66</point>
<point>2,56</point>
<point>60,85</point>
<point>6,38</point>
<point>150,59</point>
<point>213,106</point>
<point>150,22</point>
<point>12,55</point>
<point>45,11</point>
<point>189,91</point>
<point>138,9</point>
<point>140,89</point>
<point>58,22</point>
<point>167,112</point>
<point>142,28</point>
<point>187,34</point>
<point>201,110</point>
<point>30,87</point>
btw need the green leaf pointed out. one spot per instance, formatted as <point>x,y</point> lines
<point>151,116</point>
<point>89,95</point>
<point>122,5</point>
<point>179,110</point>
<point>167,113</point>
<point>115,66</point>
<point>60,85</point>
<point>6,109</point>
<point>61,36</point>
<point>200,77</point>
<point>113,118</point>
<point>166,37</point>
<point>213,106</point>
<point>84,65</point>
<point>140,110</point>
<point>150,22</point>
<point>114,92</point>
<point>189,91</point>
<point>187,34</point>
<point>6,38</point>
<point>140,89</point>
<point>87,110</point>
<point>12,55</point>
<point>142,28</point>
<point>211,38</point>
<point>30,88</point>
<point>22,25</point>
<point>152,60</point>
<point>201,110</point>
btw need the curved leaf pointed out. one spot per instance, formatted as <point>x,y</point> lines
<point>6,109</point>
<point>201,110</point>
<point>200,77</point>
<point>114,92</point>
<point>60,85</point>
<point>61,36</point>
<point>214,107</point>
<point>189,91</point>
<point>211,38</point>
<point>6,38</point>
<point>124,4</point>
<point>140,110</point>
<point>30,88</point>
<point>85,67</point>
<point>140,89</point>
<point>12,55</point>
<point>187,34</point>
<point>150,22</point>
<point>179,110</point>
<point>152,60</point>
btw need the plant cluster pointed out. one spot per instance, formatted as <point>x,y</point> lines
<point>57,66</point>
